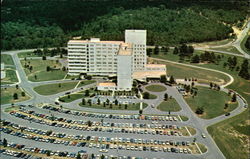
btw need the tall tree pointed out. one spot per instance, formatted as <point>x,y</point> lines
<point>244,70</point>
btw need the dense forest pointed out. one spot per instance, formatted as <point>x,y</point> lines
<point>33,24</point>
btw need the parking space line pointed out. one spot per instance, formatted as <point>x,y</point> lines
<point>180,118</point>
<point>198,148</point>
<point>188,131</point>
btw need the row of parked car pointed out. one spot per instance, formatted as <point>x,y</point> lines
<point>95,141</point>
<point>111,116</point>
<point>106,124</point>
<point>170,130</point>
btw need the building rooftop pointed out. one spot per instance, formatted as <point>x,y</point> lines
<point>148,74</point>
<point>107,84</point>
<point>125,49</point>
<point>95,40</point>
<point>156,65</point>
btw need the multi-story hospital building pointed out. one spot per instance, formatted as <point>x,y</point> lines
<point>126,60</point>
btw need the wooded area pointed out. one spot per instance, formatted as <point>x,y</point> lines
<point>39,24</point>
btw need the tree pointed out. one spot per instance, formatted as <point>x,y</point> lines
<point>78,156</point>
<point>195,59</point>
<point>172,80</point>
<point>89,123</point>
<point>30,68</point>
<point>104,104</point>
<point>226,106</point>
<point>35,77</point>
<point>48,152</point>
<point>17,87</point>
<point>23,94</point>
<point>116,102</point>
<point>5,142</point>
<point>149,52</point>
<point>86,93</point>
<point>15,96</point>
<point>64,68</point>
<point>102,156</point>
<point>145,95</point>
<point>163,79</point>
<point>90,102</point>
<point>126,106</point>
<point>48,68</point>
<point>88,77</point>
<point>156,50</point>
<point>192,84</point>
<point>195,93</point>
<point>59,85</point>
<point>165,96</point>
<point>140,112</point>
<point>199,110</point>
<point>176,51</point>
<point>98,101</point>
<point>234,97</point>
<point>44,58</point>
<point>244,70</point>
<point>68,96</point>
<point>107,101</point>
<point>211,85</point>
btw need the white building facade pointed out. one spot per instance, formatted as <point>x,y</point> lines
<point>110,58</point>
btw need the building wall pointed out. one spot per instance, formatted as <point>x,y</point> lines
<point>138,38</point>
<point>94,58</point>
<point>124,72</point>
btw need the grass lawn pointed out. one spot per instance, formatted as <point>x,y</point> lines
<point>184,118</point>
<point>213,43</point>
<point>169,105</point>
<point>50,89</point>
<point>212,101</point>
<point>12,108</point>
<point>83,83</point>
<point>39,69</point>
<point>115,107</point>
<point>27,54</point>
<point>7,59</point>
<point>7,95</point>
<point>10,78</point>
<point>73,97</point>
<point>228,49</point>
<point>152,96</point>
<point>242,45</point>
<point>156,88</point>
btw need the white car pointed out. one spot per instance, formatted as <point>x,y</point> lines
<point>203,135</point>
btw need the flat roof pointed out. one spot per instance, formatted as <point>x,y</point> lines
<point>107,84</point>
<point>89,41</point>
<point>148,74</point>
<point>125,49</point>
<point>156,65</point>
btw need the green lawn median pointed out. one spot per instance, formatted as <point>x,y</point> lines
<point>169,105</point>
<point>7,95</point>
<point>156,88</point>
<point>212,101</point>
<point>50,89</point>
<point>36,70</point>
